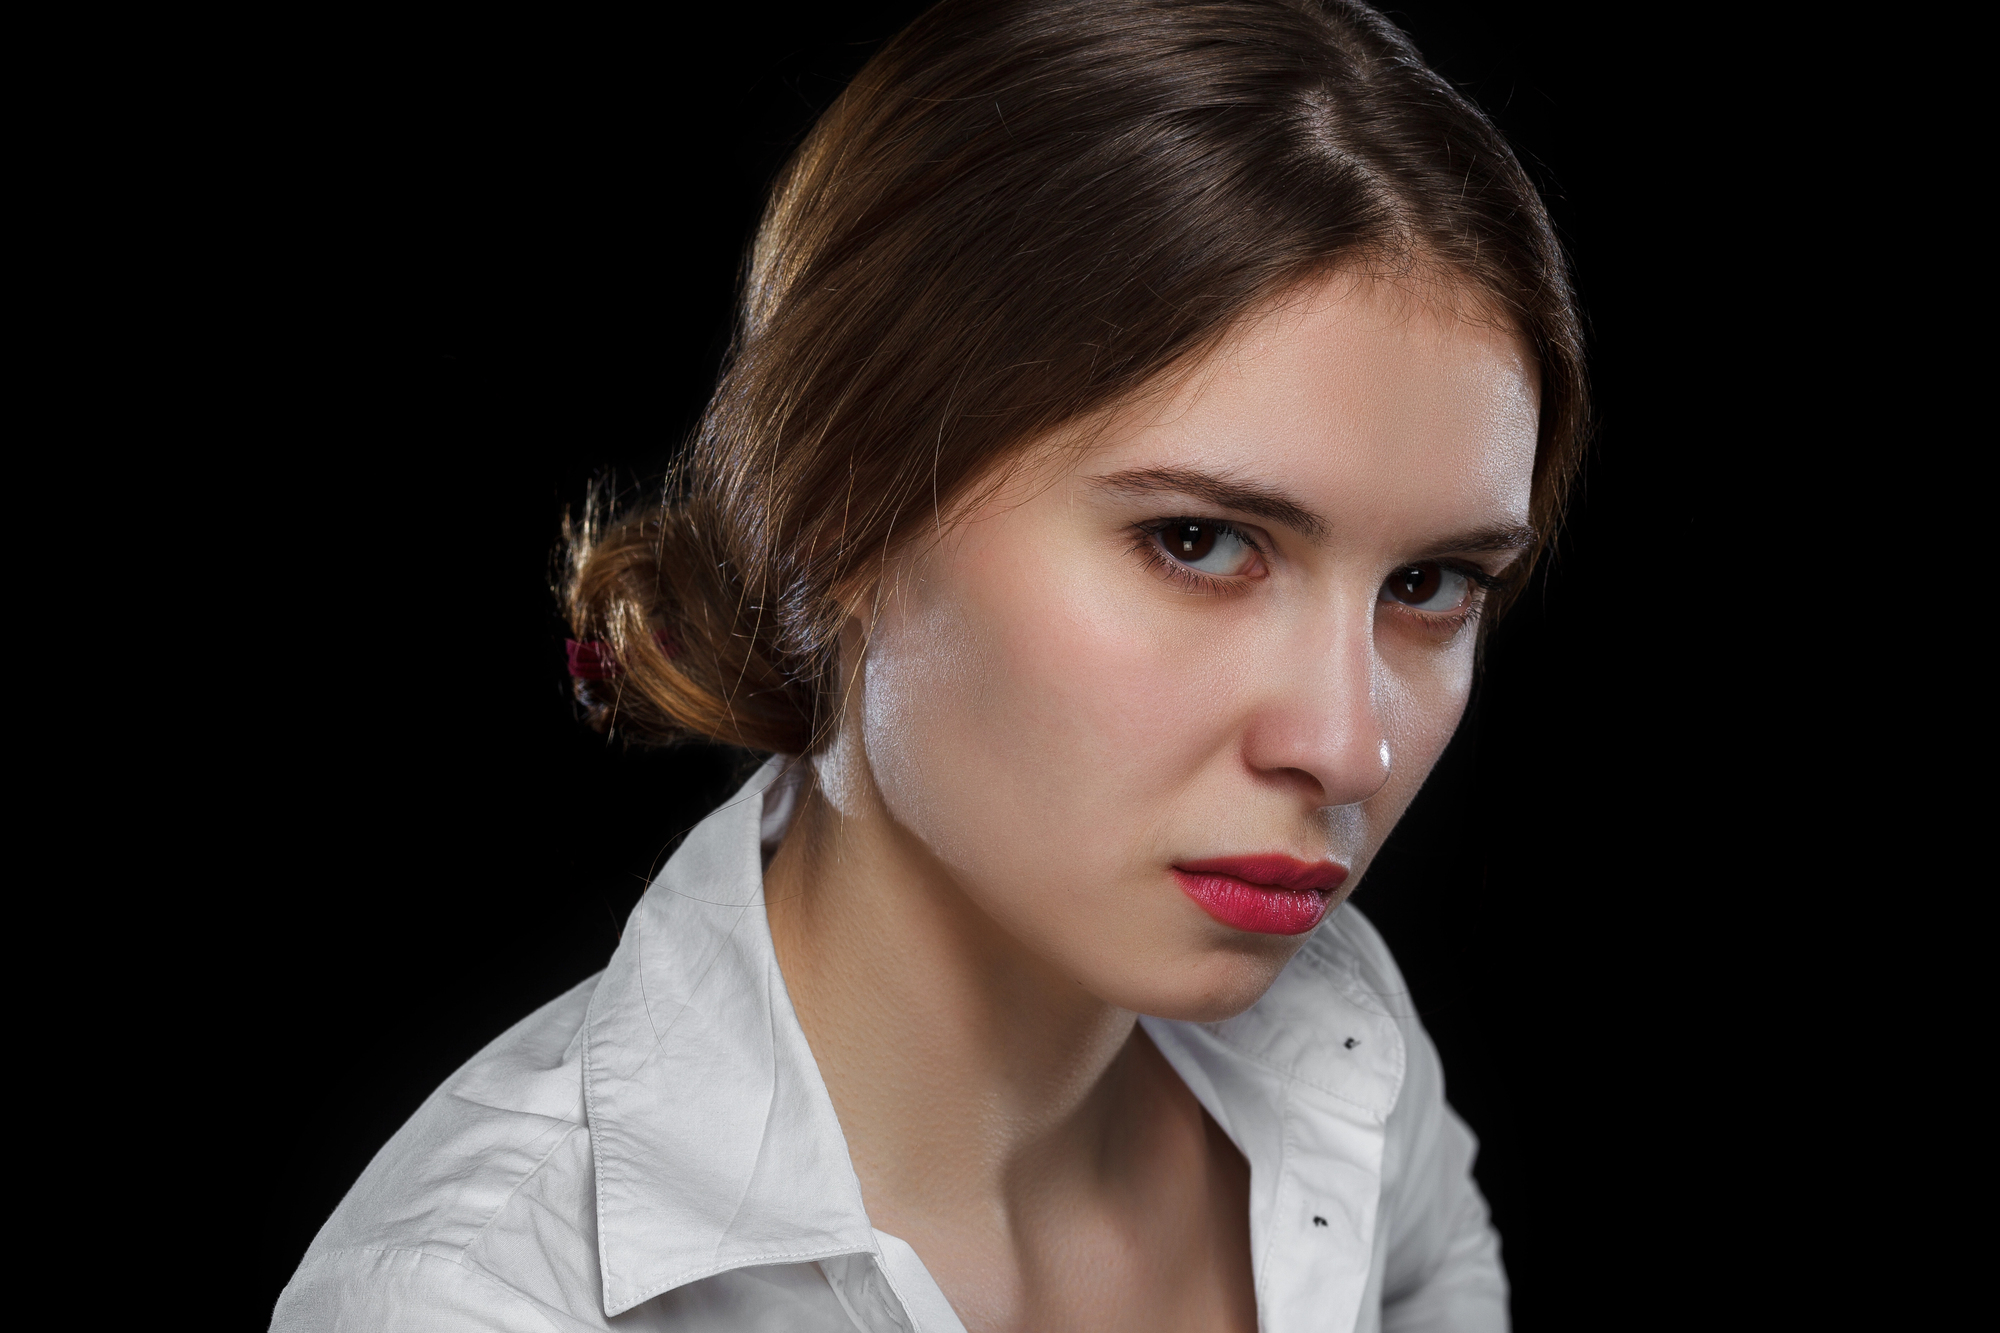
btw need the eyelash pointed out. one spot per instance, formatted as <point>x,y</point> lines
<point>1449,626</point>
<point>1146,544</point>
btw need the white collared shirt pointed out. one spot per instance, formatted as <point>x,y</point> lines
<point>656,1150</point>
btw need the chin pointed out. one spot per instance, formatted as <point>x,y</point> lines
<point>1211,988</point>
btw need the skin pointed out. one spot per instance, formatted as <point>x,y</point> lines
<point>1043,716</point>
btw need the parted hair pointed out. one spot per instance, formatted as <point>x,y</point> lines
<point>1020,213</point>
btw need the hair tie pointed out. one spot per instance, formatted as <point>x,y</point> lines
<point>591,661</point>
<point>594,659</point>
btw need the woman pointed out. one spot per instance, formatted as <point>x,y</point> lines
<point>1139,412</point>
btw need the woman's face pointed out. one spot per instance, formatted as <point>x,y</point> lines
<point>1146,703</point>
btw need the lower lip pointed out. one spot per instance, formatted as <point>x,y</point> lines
<point>1254,907</point>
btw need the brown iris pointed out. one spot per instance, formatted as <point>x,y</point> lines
<point>1416,584</point>
<point>1191,541</point>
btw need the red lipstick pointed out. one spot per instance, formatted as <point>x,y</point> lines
<point>1271,895</point>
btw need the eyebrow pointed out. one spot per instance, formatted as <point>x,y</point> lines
<point>1246,497</point>
<point>1504,537</point>
<point>1249,497</point>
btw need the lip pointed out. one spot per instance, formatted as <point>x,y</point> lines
<point>1270,894</point>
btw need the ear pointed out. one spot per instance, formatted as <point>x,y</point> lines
<point>859,598</point>
<point>858,603</point>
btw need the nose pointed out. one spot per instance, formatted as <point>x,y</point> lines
<point>1318,721</point>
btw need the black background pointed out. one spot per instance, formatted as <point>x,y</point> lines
<point>520,239</point>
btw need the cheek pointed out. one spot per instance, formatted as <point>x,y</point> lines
<point>1421,708</point>
<point>1018,705</point>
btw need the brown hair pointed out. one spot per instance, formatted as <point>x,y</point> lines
<point>1020,213</point>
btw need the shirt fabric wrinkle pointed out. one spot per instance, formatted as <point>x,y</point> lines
<point>763,1142</point>
<point>711,1188</point>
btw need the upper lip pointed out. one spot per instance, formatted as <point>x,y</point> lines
<point>1272,870</point>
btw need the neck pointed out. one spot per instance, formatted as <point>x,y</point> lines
<point>966,1073</point>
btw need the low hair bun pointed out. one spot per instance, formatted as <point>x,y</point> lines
<point>676,650</point>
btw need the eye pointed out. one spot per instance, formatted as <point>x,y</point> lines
<point>1206,545</point>
<point>1438,589</point>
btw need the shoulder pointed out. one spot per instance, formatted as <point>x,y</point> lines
<point>481,1203</point>
<point>381,1290</point>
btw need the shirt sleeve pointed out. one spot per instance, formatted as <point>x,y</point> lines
<point>401,1291</point>
<point>1443,1272</point>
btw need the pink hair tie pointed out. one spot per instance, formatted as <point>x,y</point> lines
<point>591,661</point>
<point>594,659</point>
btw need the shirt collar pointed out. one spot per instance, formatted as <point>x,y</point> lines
<point>714,1141</point>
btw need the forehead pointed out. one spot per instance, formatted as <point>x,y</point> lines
<point>1349,390</point>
